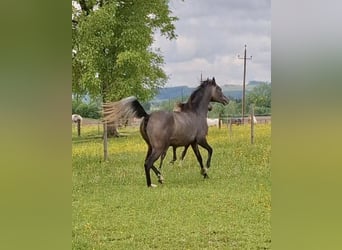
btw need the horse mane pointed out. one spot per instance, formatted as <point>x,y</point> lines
<point>180,106</point>
<point>197,95</point>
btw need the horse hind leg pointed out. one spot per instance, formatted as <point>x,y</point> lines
<point>146,167</point>
<point>148,176</point>
<point>156,171</point>
<point>184,152</point>
<point>162,156</point>
<point>158,174</point>
<point>174,154</point>
<point>149,164</point>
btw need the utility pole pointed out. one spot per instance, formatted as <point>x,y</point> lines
<point>244,80</point>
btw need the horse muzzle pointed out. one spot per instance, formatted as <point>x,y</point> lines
<point>225,100</point>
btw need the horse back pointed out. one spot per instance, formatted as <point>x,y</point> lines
<point>162,129</point>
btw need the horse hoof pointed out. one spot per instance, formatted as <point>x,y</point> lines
<point>204,171</point>
<point>153,186</point>
<point>160,179</point>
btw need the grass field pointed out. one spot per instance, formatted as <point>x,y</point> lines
<point>113,209</point>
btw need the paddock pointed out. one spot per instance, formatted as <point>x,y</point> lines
<point>112,209</point>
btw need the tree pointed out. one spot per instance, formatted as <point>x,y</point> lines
<point>89,109</point>
<point>232,109</point>
<point>112,56</point>
<point>260,96</point>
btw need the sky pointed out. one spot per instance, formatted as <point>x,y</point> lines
<point>211,35</point>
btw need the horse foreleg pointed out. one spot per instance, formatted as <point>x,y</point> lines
<point>205,145</point>
<point>199,159</point>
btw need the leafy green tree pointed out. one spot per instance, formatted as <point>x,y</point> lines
<point>89,109</point>
<point>260,96</point>
<point>112,56</point>
<point>232,109</point>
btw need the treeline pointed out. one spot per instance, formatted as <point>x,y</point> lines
<point>260,96</point>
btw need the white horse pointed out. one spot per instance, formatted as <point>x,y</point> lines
<point>213,122</point>
<point>254,120</point>
<point>75,118</point>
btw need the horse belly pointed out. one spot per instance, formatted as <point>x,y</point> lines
<point>182,139</point>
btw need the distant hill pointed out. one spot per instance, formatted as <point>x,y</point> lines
<point>173,93</point>
<point>254,83</point>
<point>231,90</point>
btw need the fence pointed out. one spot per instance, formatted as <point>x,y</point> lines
<point>223,121</point>
<point>237,120</point>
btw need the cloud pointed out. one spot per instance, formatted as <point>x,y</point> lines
<point>210,36</point>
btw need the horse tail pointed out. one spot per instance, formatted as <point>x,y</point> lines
<point>126,108</point>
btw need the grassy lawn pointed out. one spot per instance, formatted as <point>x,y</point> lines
<point>113,208</point>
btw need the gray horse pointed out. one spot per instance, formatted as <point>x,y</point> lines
<point>162,129</point>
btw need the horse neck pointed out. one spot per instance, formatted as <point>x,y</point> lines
<point>201,104</point>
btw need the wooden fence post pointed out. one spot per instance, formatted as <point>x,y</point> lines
<point>219,121</point>
<point>230,127</point>
<point>252,123</point>
<point>79,127</point>
<point>105,142</point>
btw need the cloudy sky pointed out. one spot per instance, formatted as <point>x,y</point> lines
<point>211,35</point>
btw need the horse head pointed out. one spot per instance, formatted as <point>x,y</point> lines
<point>217,94</point>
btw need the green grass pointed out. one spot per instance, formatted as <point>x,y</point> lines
<point>113,208</point>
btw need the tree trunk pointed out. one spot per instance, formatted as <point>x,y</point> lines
<point>112,130</point>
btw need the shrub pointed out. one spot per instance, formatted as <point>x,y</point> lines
<point>90,110</point>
